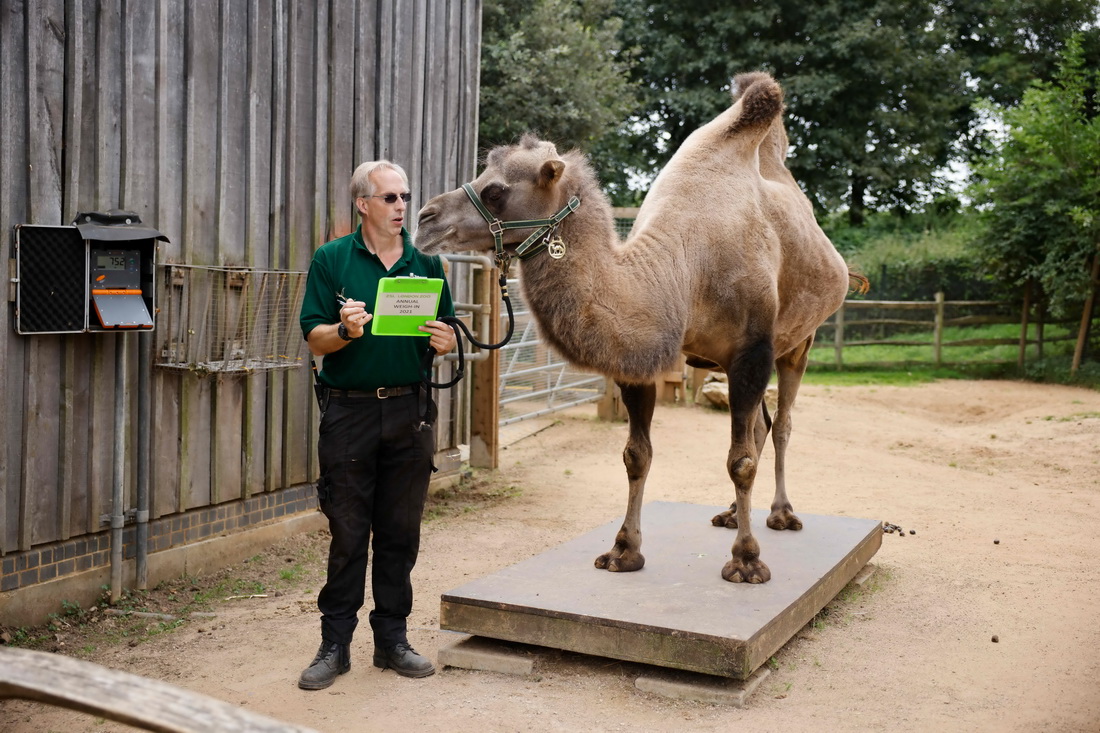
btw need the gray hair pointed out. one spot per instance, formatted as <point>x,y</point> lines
<point>361,184</point>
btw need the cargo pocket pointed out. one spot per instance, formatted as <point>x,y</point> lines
<point>424,429</point>
<point>324,494</point>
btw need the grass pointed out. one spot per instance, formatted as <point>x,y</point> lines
<point>886,364</point>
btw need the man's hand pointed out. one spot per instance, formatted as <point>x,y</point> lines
<point>354,316</point>
<point>442,336</point>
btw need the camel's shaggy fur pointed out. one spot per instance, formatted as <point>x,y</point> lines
<point>725,263</point>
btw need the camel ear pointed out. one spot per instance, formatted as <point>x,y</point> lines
<point>551,171</point>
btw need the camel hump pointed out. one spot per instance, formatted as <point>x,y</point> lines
<point>761,100</point>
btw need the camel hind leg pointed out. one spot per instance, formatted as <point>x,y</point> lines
<point>790,369</point>
<point>728,518</point>
<point>748,379</point>
<point>626,555</point>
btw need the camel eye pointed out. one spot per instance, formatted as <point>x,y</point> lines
<point>493,193</point>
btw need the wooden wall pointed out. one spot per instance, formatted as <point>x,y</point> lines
<point>232,127</point>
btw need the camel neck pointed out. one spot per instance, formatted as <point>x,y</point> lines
<point>604,306</point>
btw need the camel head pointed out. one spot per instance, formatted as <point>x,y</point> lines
<point>525,181</point>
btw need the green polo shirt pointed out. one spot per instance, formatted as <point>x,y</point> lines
<point>346,266</point>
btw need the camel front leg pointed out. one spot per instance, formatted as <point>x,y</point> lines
<point>626,555</point>
<point>790,369</point>
<point>748,379</point>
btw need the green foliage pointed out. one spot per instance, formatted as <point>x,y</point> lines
<point>553,67</point>
<point>1042,189</point>
<point>879,92</point>
<point>914,256</point>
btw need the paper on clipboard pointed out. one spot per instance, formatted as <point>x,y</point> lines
<point>404,304</point>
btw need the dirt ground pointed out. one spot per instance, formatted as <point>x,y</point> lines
<point>984,620</point>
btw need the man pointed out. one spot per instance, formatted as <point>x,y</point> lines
<point>376,435</point>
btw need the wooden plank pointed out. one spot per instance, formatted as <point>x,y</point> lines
<point>226,463</point>
<point>233,131</point>
<point>13,200</point>
<point>322,130</point>
<point>200,203</point>
<point>146,703</point>
<point>469,81</point>
<point>76,437</point>
<point>100,456</point>
<point>386,55</point>
<point>139,93</point>
<point>261,123</point>
<point>340,160</point>
<point>165,472</point>
<point>39,510</point>
<point>485,398</point>
<point>678,613</point>
<point>233,126</point>
<point>365,97</point>
<point>109,103</point>
<point>170,141</point>
<point>430,177</point>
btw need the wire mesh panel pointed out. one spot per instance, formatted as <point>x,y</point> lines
<point>223,319</point>
<point>534,379</point>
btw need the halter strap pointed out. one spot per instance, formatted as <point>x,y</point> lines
<point>530,247</point>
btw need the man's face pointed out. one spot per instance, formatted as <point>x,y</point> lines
<point>387,217</point>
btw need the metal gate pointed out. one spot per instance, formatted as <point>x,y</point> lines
<point>534,379</point>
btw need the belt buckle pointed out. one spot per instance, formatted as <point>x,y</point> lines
<point>381,393</point>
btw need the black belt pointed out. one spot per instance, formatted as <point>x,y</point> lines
<point>376,394</point>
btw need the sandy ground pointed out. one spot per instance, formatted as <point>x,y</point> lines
<point>1000,480</point>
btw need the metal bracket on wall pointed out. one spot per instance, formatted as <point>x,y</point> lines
<point>129,517</point>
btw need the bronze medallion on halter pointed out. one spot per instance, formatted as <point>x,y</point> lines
<point>555,248</point>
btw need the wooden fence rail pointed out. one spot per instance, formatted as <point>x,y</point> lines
<point>842,323</point>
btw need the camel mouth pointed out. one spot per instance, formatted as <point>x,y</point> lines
<point>437,243</point>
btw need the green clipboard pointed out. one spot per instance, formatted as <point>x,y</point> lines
<point>404,304</point>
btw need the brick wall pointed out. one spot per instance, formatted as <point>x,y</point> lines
<point>58,559</point>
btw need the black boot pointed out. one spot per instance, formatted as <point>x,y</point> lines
<point>332,659</point>
<point>404,660</point>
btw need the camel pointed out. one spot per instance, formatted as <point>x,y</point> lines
<point>725,263</point>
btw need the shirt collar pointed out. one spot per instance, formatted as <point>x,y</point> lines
<point>406,241</point>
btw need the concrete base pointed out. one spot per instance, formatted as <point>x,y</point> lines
<point>677,612</point>
<point>31,605</point>
<point>503,657</point>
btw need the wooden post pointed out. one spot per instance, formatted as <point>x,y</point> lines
<point>838,337</point>
<point>937,339</point>
<point>1023,326</point>
<point>1086,315</point>
<point>485,397</point>
<point>1040,327</point>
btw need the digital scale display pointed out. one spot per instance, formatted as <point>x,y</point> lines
<point>116,269</point>
<point>110,262</point>
<point>116,288</point>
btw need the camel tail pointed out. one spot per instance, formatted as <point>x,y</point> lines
<point>761,102</point>
<point>857,283</point>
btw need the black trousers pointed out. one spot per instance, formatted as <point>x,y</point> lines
<point>376,460</point>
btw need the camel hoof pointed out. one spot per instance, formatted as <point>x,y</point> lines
<point>784,519</point>
<point>740,571</point>
<point>624,562</point>
<point>727,519</point>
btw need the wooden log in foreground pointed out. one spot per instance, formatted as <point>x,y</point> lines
<point>123,697</point>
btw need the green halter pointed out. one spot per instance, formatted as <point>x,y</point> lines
<point>530,247</point>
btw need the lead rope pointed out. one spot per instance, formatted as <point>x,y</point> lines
<point>457,325</point>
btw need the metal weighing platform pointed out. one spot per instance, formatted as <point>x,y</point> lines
<point>676,612</point>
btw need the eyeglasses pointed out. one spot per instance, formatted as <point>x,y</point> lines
<point>391,198</point>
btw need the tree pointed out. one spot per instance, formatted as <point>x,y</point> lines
<point>1041,190</point>
<point>879,92</point>
<point>553,67</point>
